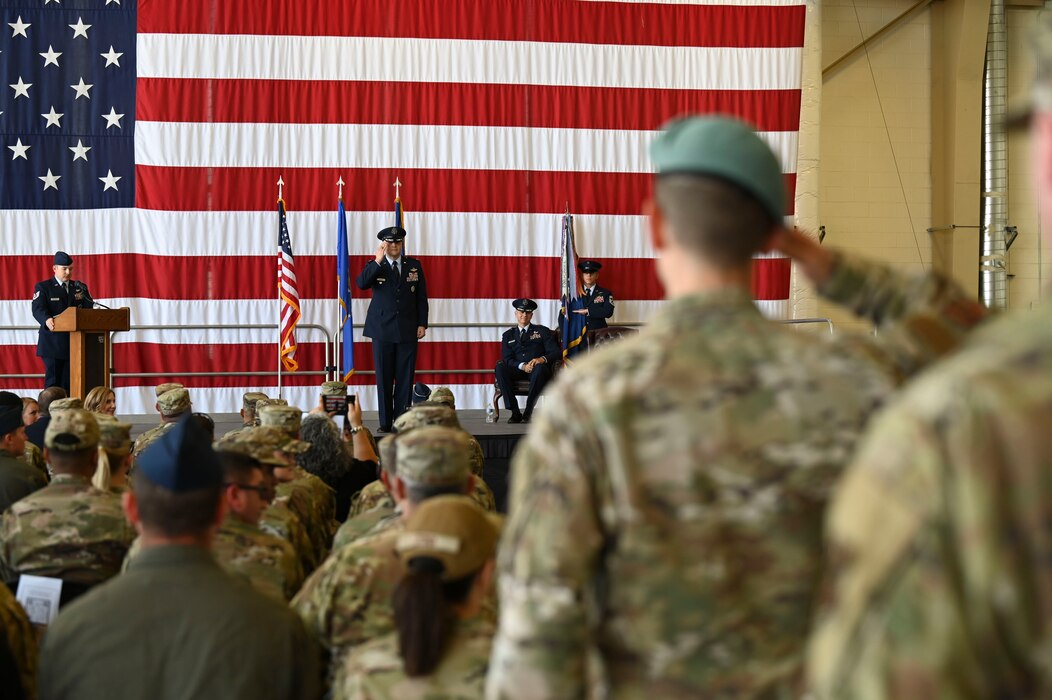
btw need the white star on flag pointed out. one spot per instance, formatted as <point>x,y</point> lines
<point>53,117</point>
<point>21,89</point>
<point>51,57</point>
<point>50,180</point>
<point>116,1</point>
<point>112,57</point>
<point>80,29</point>
<point>113,119</point>
<point>20,150</point>
<point>79,151</point>
<point>19,27</point>
<point>82,90</point>
<point>110,180</point>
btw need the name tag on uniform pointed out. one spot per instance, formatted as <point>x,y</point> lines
<point>55,299</point>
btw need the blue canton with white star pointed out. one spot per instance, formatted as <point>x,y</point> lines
<point>67,104</point>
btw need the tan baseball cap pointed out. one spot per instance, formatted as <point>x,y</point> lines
<point>452,529</point>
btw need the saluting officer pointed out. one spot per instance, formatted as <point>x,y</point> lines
<point>528,351</point>
<point>50,298</point>
<point>599,302</point>
<point>396,320</point>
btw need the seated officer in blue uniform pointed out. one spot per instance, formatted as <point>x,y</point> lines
<point>598,301</point>
<point>528,351</point>
<point>50,298</point>
<point>396,320</point>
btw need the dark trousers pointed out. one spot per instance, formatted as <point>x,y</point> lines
<point>507,375</point>
<point>395,366</point>
<point>56,372</point>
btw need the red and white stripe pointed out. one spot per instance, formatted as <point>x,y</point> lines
<point>495,114</point>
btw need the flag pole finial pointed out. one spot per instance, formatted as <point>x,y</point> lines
<point>281,184</point>
<point>340,183</point>
<point>397,184</point>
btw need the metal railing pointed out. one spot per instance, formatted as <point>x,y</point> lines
<point>331,342</point>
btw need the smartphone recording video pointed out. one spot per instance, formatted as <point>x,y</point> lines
<point>336,404</point>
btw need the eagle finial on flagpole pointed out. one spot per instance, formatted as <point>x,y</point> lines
<point>397,184</point>
<point>340,183</point>
<point>281,183</point>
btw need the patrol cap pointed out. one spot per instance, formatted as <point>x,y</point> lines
<point>589,266</point>
<point>385,451</point>
<point>166,387</point>
<point>270,402</point>
<point>452,529</point>
<point>334,389</point>
<point>72,430</point>
<point>421,392</point>
<point>10,419</point>
<point>433,456</point>
<point>174,402</point>
<point>275,439</point>
<point>181,460</point>
<point>427,414</point>
<point>114,436</point>
<point>444,394</point>
<point>726,149</point>
<point>258,443</point>
<point>249,399</point>
<point>65,404</point>
<point>62,258</point>
<point>527,305</point>
<point>392,234</point>
<point>288,418</point>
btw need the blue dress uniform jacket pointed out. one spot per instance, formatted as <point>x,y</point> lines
<point>396,310</point>
<point>600,307</point>
<point>49,300</point>
<point>540,341</point>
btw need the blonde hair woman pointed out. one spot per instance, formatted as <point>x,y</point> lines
<point>102,400</point>
<point>115,458</point>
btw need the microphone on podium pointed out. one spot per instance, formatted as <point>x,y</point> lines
<point>83,290</point>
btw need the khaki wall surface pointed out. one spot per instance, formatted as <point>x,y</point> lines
<point>876,172</point>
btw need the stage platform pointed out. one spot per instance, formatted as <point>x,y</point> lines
<point>498,440</point>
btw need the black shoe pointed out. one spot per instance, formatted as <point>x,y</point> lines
<point>526,417</point>
<point>515,418</point>
<point>385,429</point>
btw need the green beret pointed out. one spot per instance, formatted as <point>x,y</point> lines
<point>726,149</point>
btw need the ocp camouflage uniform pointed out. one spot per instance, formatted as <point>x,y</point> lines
<point>367,523</point>
<point>150,436</point>
<point>280,520</point>
<point>34,457</point>
<point>268,562</point>
<point>21,640</point>
<point>68,530</point>
<point>375,670</point>
<point>347,601</point>
<point>248,403</point>
<point>938,536</point>
<point>173,402</point>
<point>316,500</point>
<point>666,505</point>
<point>375,495</point>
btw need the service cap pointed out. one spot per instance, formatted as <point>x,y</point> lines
<point>589,266</point>
<point>526,305</point>
<point>392,234</point>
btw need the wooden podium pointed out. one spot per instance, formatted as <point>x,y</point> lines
<point>89,344</point>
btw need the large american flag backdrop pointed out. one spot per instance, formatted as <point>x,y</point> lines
<point>146,139</point>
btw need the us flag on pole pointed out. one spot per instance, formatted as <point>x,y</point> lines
<point>288,293</point>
